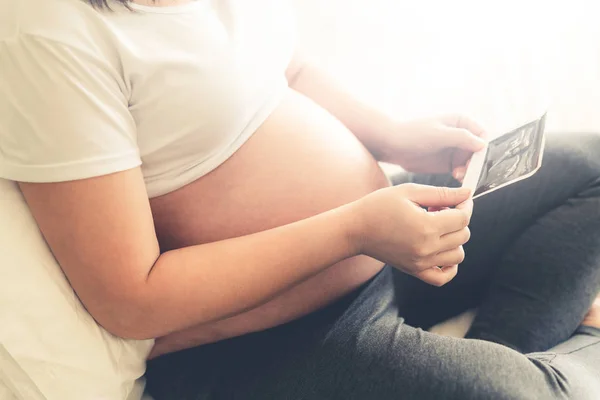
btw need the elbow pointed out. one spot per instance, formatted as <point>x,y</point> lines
<point>126,330</point>
<point>126,325</point>
<point>127,319</point>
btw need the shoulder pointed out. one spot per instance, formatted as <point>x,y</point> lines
<point>70,23</point>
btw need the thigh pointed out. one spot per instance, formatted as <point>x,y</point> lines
<point>570,165</point>
<point>361,350</point>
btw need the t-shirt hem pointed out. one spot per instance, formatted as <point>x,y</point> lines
<point>195,173</point>
<point>165,184</point>
<point>68,171</point>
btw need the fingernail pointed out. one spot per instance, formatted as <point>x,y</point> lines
<point>481,140</point>
<point>464,191</point>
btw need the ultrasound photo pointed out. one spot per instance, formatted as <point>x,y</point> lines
<point>512,156</point>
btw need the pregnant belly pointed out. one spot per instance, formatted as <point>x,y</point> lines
<point>300,162</point>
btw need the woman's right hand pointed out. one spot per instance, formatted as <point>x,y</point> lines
<point>394,226</point>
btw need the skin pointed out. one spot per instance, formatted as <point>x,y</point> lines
<point>298,217</point>
<point>257,216</point>
<point>593,316</point>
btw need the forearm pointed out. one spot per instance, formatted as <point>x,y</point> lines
<point>248,321</point>
<point>210,282</point>
<point>300,300</point>
<point>371,126</point>
<point>281,309</point>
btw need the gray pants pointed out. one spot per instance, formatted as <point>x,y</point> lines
<point>532,268</point>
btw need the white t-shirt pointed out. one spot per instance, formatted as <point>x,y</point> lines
<point>86,92</point>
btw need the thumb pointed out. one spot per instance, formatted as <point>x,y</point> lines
<point>433,196</point>
<point>465,139</point>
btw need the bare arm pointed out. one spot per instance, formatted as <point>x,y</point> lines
<point>265,316</point>
<point>101,229</point>
<point>431,145</point>
<point>371,126</point>
<point>102,234</point>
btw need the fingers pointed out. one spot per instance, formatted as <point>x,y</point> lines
<point>467,207</point>
<point>472,125</point>
<point>465,122</point>
<point>432,196</point>
<point>438,276</point>
<point>436,209</point>
<point>452,220</point>
<point>459,172</point>
<point>468,137</point>
<point>454,240</point>
<point>441,259</point>
<point>466,140</point>
<point>460,162</point>
<point>449,257</point>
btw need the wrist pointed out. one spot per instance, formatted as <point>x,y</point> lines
<point>383,134</point>
<point>352,224</point>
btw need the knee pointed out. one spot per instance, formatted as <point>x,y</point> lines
<point>576,155</point>
<point>567,376</point>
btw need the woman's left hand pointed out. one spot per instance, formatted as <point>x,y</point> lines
<point>435,146</point>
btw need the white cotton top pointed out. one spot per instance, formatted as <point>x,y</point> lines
<point>177,90</point>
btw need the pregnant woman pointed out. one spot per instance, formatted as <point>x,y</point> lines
<point>200,184</point>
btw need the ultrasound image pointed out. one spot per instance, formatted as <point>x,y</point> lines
<point>512,156</point>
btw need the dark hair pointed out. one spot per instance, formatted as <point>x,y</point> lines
<point>104,3</point>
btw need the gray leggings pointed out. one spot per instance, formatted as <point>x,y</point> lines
<point>532,268</point>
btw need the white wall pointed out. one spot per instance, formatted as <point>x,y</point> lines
<point>500,61</point>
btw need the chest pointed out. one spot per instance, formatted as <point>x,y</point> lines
<point>195,77</point>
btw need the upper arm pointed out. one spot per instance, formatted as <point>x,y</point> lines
<point>101,232</point>
<point>67,136</point>
<point>63,113</point>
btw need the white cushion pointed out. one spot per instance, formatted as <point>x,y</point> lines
<point>50,347</point>
<point>457,326</point>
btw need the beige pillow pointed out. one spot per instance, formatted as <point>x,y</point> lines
<point>50,347</point>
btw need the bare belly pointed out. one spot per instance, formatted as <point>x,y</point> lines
<point>300,162</point>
